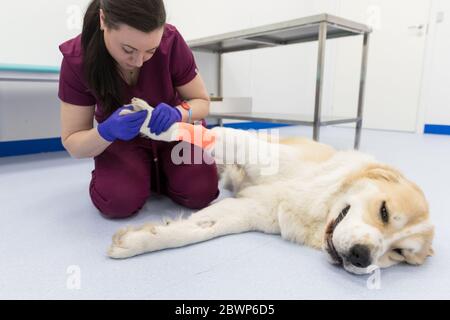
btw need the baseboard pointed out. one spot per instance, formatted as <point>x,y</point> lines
<point>437,129</point>
<point>17,148</point>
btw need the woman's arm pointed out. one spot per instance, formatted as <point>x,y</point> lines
<point>195,93</point>
<point>78,136</point>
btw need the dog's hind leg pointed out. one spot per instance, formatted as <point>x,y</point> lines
<point>229,216</point>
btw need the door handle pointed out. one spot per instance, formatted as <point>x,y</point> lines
<point>418,27</point>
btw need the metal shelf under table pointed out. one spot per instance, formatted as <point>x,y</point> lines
<point>299,119</point>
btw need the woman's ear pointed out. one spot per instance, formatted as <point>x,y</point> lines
<point>102,20</point>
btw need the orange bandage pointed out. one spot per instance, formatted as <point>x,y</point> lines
<point>196,134</point>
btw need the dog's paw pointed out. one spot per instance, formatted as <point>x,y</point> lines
<point>129,241</point>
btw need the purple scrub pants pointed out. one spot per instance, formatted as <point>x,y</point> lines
<point>127,172</point>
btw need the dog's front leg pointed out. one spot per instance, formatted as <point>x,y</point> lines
<point>229,216</point>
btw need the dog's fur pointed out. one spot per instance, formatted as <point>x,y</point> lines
<point>301,200</point>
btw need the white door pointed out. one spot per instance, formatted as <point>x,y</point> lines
<point>436,94</point>
<point>395,66</point>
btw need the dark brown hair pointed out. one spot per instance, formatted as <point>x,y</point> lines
<point>99,67</point>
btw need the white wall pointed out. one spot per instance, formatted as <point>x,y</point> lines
<point>30,31</point>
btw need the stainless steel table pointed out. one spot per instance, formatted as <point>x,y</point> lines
<point>314,28</point>
<point>28,79</point>
<point>28,74</point>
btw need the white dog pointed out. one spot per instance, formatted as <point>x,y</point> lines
<point>359,211</point>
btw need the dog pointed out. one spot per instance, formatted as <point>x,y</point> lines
<point>360,212</point>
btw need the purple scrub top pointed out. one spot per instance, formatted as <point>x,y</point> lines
<point>171,66</point>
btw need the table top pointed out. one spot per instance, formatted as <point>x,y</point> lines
<point>282,33</point>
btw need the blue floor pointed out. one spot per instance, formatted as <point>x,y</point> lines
<point>49,228</point>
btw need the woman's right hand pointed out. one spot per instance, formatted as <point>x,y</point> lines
<point>124,127</point>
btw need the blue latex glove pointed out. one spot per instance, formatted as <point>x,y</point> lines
<point>163,117</point>
<point>123,127</point>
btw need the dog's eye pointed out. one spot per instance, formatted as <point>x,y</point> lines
<point>384,214</point>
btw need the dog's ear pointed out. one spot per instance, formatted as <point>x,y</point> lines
<point>382,172</point>
<point>379,172</point>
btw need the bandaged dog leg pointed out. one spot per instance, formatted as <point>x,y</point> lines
<point>180,131</point>
<point>138,105</point>
<point>226,145</point>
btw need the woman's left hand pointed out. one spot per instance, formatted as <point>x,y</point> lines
<point>163,117</point>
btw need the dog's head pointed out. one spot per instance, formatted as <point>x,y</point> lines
<point>380,218</point>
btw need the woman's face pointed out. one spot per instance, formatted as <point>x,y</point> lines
<point>130,47</point>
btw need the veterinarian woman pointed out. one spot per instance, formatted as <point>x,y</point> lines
<point>127,50</point>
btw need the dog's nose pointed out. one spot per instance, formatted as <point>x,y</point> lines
<point>359,256</point>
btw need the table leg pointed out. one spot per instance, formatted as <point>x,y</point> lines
<point>220,76</point>
<point>319,79</point>
<point>362,87</point>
